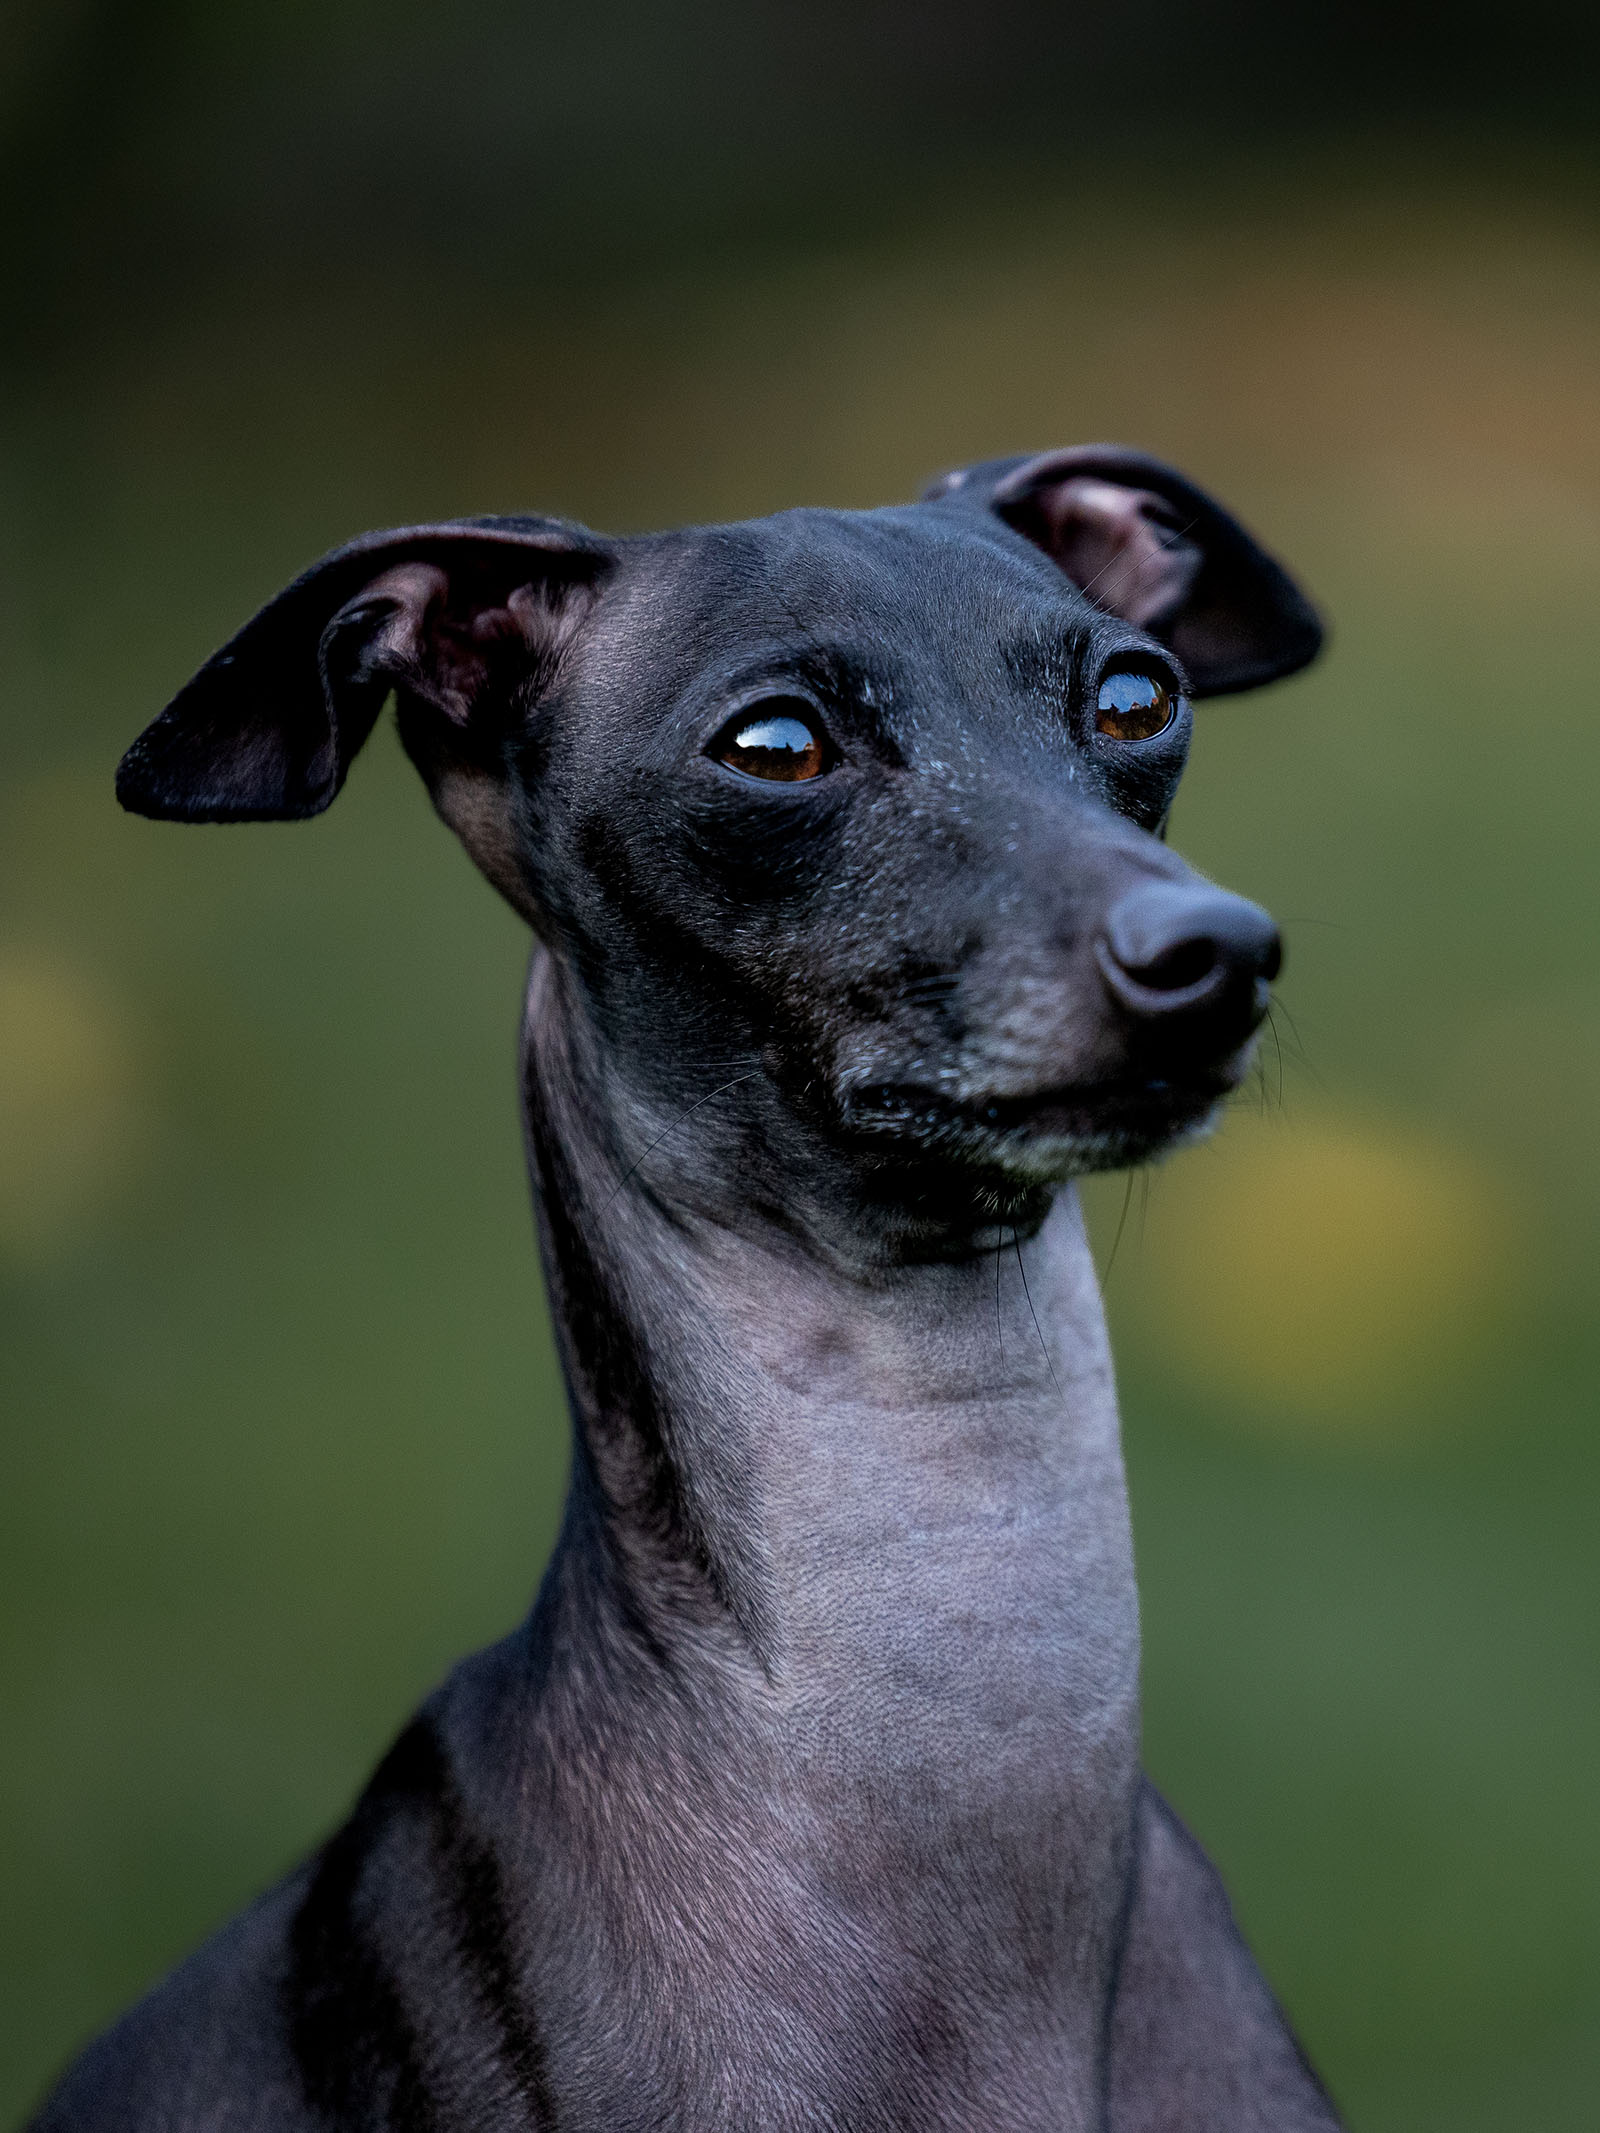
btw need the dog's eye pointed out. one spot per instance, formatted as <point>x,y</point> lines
<point>1135,707</point>
<point>780,740</point>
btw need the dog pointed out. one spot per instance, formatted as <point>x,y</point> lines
<point>809,1794</point>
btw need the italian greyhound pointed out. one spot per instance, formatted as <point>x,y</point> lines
<point>809,1794</point>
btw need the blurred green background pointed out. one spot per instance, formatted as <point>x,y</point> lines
<point>281,1430</point>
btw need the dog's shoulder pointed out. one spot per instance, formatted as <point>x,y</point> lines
<point>1198,2043</point>
<point>321,2003</point>
<point>204,2049</point>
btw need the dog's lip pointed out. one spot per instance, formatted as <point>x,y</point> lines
<point>1068,1109</point>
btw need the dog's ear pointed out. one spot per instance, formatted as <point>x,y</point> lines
<point>465,621</point>
<point>268,728</point>
<point>1144,543</point>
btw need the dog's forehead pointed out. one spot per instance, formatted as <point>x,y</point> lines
<point>896,585</point>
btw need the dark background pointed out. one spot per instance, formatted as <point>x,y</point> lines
<point>281,1434</point>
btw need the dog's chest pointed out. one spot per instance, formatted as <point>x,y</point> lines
<point>846,1974</point>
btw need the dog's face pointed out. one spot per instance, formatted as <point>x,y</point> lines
<point>860,809</point>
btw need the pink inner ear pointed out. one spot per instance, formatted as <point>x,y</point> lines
<point>1105,540</point>
<point>404,627</point>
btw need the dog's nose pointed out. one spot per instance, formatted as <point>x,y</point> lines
<point>1169,949</point>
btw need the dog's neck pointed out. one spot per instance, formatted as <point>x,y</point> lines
<point>867,1533</point>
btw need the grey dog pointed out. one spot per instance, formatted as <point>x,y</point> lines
<point>809,1794</point>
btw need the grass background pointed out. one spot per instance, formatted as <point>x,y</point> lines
<point>281,1430</point>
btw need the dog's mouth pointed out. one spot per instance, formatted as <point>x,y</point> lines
<point>1057,1131</point>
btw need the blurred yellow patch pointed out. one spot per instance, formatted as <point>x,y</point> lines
<point>1521,1085</point>
<point>67,1116</point>
<point>1326,1271</point>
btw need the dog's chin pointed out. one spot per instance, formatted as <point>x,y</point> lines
<point>1056,1133</point>
<point>1072,1135</point>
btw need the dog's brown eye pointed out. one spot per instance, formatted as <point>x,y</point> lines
<point>1135,707</point>
<point>774,744</point>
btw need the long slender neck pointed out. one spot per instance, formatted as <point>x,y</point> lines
<point>865,1530</point>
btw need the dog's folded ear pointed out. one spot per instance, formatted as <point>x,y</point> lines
<point>1142,542</point>
<point>456,617</point>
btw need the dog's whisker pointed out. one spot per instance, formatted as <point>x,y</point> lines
<point>1122,1223</point>
<point>1044,1349</point>
<point>1277,1045</point>
<point>1297,1046</point>
<point>681,1120</point>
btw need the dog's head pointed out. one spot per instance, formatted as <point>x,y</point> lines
<point>867,804</point>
